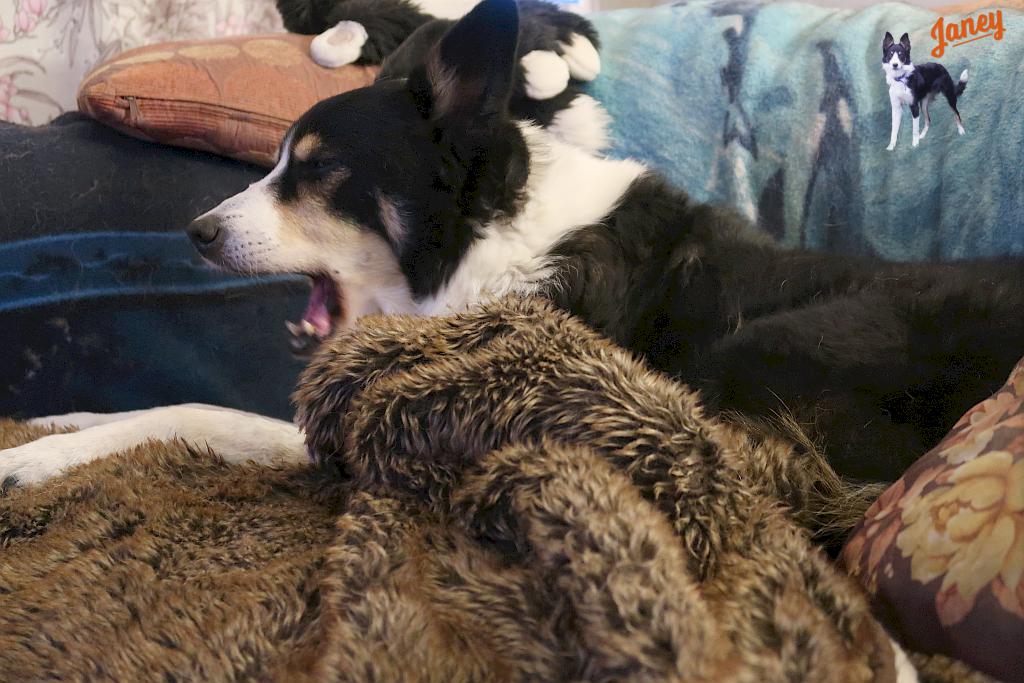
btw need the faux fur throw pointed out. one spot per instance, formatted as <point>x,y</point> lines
<point>503,496</point>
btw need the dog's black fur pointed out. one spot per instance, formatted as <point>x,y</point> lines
<point>387,22</point>
<point>542,26</point>
<point>400,36</point>
<point>874,360</point>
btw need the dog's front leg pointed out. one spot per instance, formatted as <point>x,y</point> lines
<point>234,436</point>
<point>897,116</point>
<point>927,118</point>
<point>85,420</point>
<point>915,113</point>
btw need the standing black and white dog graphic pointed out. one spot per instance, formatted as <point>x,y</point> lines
<point>916,86</point>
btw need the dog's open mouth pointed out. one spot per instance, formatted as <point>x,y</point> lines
<point>323,314</point>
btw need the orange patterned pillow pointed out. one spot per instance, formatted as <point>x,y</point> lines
<point>234,96</point>
<point>942,550</point>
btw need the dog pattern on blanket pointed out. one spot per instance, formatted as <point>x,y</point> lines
<point>777,109</point>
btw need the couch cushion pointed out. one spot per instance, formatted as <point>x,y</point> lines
<point>234,96</point>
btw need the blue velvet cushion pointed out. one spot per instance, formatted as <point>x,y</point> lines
<point>104,305</point>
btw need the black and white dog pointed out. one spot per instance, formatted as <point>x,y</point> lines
<point>916,86</point>
<point>424,196</point>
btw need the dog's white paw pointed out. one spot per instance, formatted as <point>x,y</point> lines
<point>891,147</point>
<point>916,142</point>
<point>584,123</point>
<point>905,671</point>
<point>546,74</point>
<point>339,45</point>
<point>923,133</point>
<point>39,460</point>
<point>960,130</point>
<point>582,57</point>
<point>235,436</point>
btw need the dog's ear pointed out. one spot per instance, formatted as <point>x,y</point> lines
<point>887,41</point>
<point>905,41</point>
<point>468,75</point>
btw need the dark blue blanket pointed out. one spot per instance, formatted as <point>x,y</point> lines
<point>104,305</point>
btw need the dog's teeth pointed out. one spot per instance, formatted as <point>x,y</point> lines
<point>308,328</point>
<point>293,328</point>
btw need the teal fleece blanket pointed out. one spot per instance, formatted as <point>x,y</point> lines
<point>781,110</point>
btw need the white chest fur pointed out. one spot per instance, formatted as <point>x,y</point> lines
<point>900,92</point>
<point>446,9</point>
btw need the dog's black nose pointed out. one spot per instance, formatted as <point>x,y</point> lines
<point>207,235</point>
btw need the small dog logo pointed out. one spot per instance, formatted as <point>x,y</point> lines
<point>916,86</point>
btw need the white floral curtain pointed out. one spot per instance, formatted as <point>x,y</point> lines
<point>47,46</point>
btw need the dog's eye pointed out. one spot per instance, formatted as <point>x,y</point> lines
<point>324,164</point>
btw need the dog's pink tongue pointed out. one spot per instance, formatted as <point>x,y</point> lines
<point>316,313</point>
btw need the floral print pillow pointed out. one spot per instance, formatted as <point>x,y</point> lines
<point>942,550</point>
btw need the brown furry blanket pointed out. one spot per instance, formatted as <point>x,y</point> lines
<point>503,496</point>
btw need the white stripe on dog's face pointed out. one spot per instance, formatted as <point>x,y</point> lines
<point>253,224</point>
<point>262,234</point>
